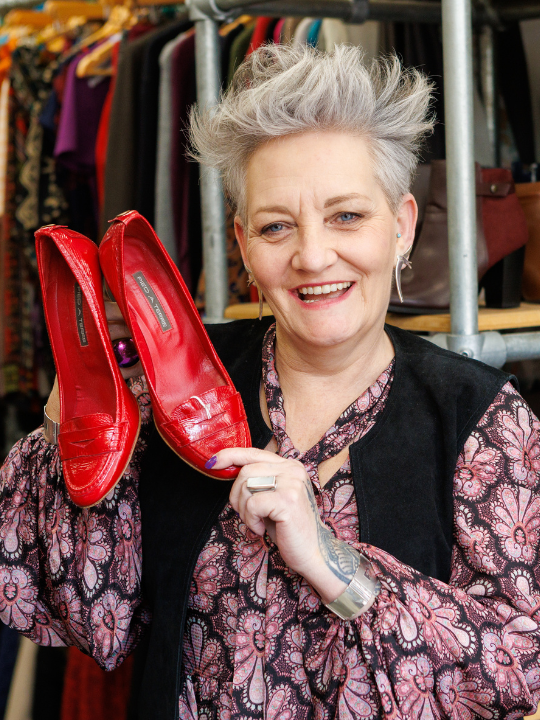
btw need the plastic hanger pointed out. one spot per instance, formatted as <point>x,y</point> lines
<point>93,63</point>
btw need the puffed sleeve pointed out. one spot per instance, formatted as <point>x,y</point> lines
<point>470,648</point>
<point>71,576</point>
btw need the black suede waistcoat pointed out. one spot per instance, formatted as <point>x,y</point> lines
<point>402,470</point>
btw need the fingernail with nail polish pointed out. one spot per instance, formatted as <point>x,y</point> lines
<point>209,464</point>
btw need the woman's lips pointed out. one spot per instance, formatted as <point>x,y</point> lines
<point>321,293</point>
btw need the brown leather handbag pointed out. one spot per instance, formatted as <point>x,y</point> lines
<point>501,229</point>
<point>529,198</point>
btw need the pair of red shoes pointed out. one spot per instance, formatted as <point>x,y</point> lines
<point>196,408</point>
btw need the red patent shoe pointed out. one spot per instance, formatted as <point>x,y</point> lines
<point>196,408</point>
<point>99,417</point>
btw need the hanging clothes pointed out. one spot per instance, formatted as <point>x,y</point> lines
<point>148,117</point>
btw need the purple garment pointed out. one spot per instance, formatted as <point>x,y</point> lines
<point>79,120</point>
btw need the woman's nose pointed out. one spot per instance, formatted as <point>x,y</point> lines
<point>314,251</point>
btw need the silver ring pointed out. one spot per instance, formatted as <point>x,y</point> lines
<point>261,484</point>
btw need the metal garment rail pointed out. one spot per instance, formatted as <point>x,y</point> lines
<point>457,17</point>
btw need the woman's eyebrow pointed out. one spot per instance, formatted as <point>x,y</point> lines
<point>344,198</point>
<point>272,209</point>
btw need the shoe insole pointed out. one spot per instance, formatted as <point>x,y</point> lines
<point>174,355</point>
<point>86,386</point>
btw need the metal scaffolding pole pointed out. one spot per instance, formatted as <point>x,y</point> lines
<point>459,123</point>
<point>208,63</point>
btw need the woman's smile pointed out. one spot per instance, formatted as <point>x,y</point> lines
<point>321,295</point>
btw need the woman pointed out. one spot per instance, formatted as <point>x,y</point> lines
<point>424,489</point>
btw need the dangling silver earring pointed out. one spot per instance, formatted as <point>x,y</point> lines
<point>402,261</point>
<point>251,281</point>
<point>261,301</point>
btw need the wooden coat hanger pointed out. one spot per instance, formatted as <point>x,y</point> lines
<point>63,10</point>
<point>28,18</point>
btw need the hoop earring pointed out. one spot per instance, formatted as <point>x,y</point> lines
<point>402,261</point>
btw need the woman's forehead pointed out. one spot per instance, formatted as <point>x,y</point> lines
<point>324,168</point>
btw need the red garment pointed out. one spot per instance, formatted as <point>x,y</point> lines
<point>260,34</point>
<point>278,30</point>
<point>91,693</point>
<point>103,134</point>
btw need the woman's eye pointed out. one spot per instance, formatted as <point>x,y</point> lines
<point>347,217</point>
<point>273,228</point>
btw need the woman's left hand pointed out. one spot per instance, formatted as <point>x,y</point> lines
<point>290,516</point>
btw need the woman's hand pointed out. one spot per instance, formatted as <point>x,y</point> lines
<point>117,329</point>
<point>290,516</point>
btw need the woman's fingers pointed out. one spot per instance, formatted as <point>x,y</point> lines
<point>242,456</point>
<point>252,470</point>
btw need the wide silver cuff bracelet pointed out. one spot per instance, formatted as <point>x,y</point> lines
<point>50,428</point>
<point>359,595</point>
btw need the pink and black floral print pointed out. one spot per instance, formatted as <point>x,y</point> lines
<point>258,642</point>
<point>71,576</point>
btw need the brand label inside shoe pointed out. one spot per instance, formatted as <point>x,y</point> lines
<point>83,338</point>
<point>153,301</point>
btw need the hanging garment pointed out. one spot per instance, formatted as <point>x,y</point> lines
<point>90,693</point>
<point>289,28</point>
<point>102,138</point>
<point>332,32</point>
<point>278,31</point>
<point>49,683</point>
<point>301,33</point>
<point>260,34</point>
<point>368,36</point>
<point>513,78</point>
<point>239,49</point>
<point>420,45</point>
<point>148,117</point>
<point>4,125</point>
<point>313,33</point>
<point>19,705</point>
<point>9,647</point>
<point>33,198</point>
<point>185,173</point>
<point>530,33</point>
<point>228,37</point>
<point>75,149</point>
<point>163,193</point>
<point>121,167</point>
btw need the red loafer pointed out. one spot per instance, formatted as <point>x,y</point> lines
<point>196,408</point>
<point>99,417</point>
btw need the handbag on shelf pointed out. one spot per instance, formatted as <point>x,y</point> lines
<point>501,231</point>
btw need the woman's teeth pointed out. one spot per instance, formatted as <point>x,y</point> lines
<point>322,290</point>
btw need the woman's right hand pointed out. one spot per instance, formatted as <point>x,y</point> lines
<point>117,329</point>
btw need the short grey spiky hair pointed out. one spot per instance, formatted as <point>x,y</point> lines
<point>280,90</point>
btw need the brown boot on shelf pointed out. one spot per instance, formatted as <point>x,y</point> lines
<point>529,198</point>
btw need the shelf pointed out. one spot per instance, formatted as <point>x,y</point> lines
<point>525,316</point>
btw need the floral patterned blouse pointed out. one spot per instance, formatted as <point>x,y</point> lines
<point>258,642</point>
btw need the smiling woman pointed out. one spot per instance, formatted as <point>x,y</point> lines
<point>377,555</point>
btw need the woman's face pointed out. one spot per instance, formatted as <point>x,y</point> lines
<point>321,239</point>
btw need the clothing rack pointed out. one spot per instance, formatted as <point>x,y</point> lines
<point>457,18</point>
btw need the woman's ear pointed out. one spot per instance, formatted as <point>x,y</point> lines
<point>406,223</point>
<point>241,237</point>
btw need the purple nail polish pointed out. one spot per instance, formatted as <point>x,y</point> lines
<point>209,464</point>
